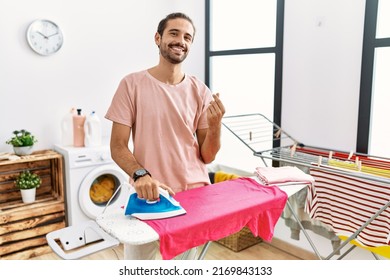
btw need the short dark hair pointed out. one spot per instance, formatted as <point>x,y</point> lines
<point>163,23</point>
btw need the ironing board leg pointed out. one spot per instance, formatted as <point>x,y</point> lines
<point>184,256</point>
<point>147,251</point>
<point>304,230</point>
<point>204,250</point>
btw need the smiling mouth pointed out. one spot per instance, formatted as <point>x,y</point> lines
<point>177,49</point>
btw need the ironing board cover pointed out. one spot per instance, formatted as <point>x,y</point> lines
<point>219,210</point>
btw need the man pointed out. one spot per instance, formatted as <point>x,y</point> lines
<point>174,119</point>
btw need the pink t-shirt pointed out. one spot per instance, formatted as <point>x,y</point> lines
<point>164,119</point>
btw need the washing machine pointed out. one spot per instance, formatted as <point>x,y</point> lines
<point>91,180</point>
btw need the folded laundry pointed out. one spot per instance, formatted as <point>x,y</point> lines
<point>283,174</point>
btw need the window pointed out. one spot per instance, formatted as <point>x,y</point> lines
<point>374,115</point>
<point>383,22</point>
<point>380,114</point>
<point>242,24</point>
<point>244,55</point>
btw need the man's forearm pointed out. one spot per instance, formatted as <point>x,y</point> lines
<point>211,144</point>
<point>125,159</point>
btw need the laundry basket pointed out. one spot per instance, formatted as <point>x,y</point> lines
<point>240,240</point>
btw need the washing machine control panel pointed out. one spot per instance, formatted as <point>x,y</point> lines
<point>103,157</point>
<point>83,157</point>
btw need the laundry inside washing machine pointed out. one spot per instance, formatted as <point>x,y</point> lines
<point>103,188</point>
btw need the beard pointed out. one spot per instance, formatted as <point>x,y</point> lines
<point>172,57</point>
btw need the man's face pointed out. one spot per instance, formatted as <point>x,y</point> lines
<point>176,40</point>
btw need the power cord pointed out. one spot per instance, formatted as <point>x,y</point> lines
<point>112,197</point>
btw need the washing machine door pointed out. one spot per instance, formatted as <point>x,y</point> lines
<point>97,188</point>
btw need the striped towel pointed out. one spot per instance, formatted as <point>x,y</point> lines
<point>346,202</point>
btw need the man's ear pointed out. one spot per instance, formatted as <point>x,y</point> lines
<point>157,39</point>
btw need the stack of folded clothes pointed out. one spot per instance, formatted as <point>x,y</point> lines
<point>284,175</point>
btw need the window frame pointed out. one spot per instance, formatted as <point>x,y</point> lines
<point>277,50</point>
<point>370,44</point>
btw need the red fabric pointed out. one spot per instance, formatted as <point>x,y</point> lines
<point>219,210</point>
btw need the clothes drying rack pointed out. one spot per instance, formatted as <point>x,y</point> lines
<point>276,147</point>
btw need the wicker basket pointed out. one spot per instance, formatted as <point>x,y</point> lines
<point>240,240</point>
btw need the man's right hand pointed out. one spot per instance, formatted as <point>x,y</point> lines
<point>147,188</point>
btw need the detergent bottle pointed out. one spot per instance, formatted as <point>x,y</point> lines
<point>78,129</point>
<point>67,128</point>
<point>93,131</point>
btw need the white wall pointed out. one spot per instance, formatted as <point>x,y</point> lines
<point>321,71</point>
<point>103,41</point>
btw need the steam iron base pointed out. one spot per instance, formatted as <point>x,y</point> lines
<point>165,207</point>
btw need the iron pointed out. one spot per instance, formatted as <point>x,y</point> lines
<point>165,207</point>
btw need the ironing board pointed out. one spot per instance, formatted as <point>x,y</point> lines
<point>131,231</point>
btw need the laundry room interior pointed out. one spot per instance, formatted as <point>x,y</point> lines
<point>313,71</point>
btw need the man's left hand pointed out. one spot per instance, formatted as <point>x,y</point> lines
<point>215,112</point>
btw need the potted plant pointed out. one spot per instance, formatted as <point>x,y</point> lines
<point>27,183</point>
<point>22,142</point>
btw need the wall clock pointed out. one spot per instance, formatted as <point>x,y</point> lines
<point>44,37</point>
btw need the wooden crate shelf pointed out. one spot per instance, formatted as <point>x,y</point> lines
<point>23,227</point>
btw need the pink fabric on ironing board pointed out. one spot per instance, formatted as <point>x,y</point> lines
<point>219,210</point>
